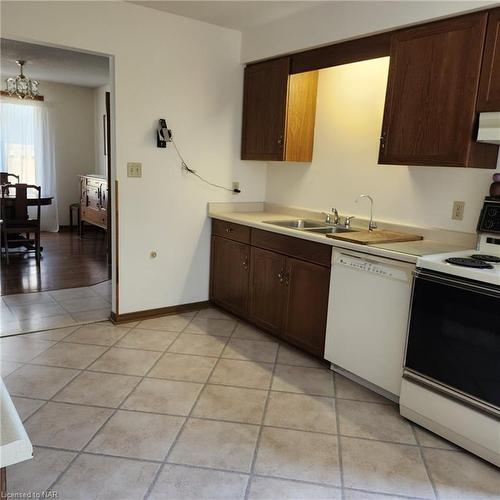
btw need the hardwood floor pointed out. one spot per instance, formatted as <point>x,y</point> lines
<point>67,262</point>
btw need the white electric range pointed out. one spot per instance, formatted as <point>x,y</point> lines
<point>451,377</point>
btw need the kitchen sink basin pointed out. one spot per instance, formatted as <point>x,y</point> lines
<point>297,223</point>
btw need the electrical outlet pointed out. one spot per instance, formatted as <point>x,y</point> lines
<point>236,185</point>
<point>458,210</point>
<point>134,169</point>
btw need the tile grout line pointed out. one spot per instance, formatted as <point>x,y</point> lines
<point>339,444</point>
<point>186,419</point>
<point>261,426</point>
<point>422,457</point>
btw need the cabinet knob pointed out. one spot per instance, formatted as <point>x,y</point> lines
<point>229,229</point>
<point>245,264</point>
<point>280,140</point>
<point>382,141</point>
<point>281,275</point>
<point>287,278</point>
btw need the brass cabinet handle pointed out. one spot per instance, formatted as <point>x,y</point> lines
<point>281,275</point>
<point>382,141</point>
<point>245,264</point>
<point>229,229</point>
<point>287,278</point>
<point>280,140</point>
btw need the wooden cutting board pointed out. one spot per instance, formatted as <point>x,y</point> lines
<point>373,237</point>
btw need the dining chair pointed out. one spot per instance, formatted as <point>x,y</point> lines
<point>17,225</point>
<point>5,176</point>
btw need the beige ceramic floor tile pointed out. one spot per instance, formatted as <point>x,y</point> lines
<point>163,396</point>
<point>218,445</point>
<point>61,425</point>
<point>83,304</point>
<point>42,382</point>
<point>183,367</point>
<point>373,421</point>
<point>318,381</point>
<point>384,468</point>
<point>431,440</point>
<point>171,323</point>
<point>45,323</point>
<point>210,326</point>
<point>26,406</point>
<point>56,334</point>
<point>38,310</point>
<point>154,340</point>
<point>364,495</point>
<point>137,435</point>
<point>302,412</point>
<point>105,478</point>
<point>299,455</point>
<point>290,356</point>
<point>242,373</point>
<point>97,334</point>
<point>267,488</point>
<point>347,389</point>
<point>37,474</point>
<point>126,361</point>
<point>98,389</point>
<point>190,483</point>
<point>202,345</point>
<point>22,349</point>
<point>92,316</point>
<point>21,299</point>
<point>214,313</point>
<point>250,350</point>
<point>249,332</point>
<point>72,293</point>
<point>237,404</point>
<point>67,355</point>
<point>461,476</point>
<point>7,367</point>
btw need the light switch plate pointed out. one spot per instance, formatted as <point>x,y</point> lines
<point>134,169</point>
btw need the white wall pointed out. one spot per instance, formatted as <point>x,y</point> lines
<point>348,124</point>
<point>101,160</point>
<point>338,21</point>
<point>169,67</point>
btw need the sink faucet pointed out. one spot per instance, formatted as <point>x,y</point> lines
<point>372,225</point>
<point>335,214</point>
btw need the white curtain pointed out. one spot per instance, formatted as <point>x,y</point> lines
<point>27,149</point>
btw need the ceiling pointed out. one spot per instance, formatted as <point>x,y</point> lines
<point>233,14</point>
<point>50,64</point>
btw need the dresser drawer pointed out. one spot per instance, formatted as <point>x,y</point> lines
<point>97,217</point>
<point>318,253</point>
<point>231,231</point>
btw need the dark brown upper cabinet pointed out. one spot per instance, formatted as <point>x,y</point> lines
<point>430,115</point>
<point>489,84</point>
<point>279,111</point>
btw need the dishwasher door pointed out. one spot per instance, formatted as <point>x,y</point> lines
<point>367,317</point>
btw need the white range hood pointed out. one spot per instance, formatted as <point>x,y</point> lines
<point>489,127</point>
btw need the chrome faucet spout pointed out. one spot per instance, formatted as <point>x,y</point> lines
<point>372,224</point>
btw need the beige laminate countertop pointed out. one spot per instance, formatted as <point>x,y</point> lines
<point>405,251</point>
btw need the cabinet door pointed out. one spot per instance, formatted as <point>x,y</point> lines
<point>306,305</point>
<point>229,274</point>
<point>264,110</point>
<point>267,289</point>
<point>433,82</point>
<point>489,85</point>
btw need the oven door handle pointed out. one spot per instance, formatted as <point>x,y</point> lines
<point>462,284</point>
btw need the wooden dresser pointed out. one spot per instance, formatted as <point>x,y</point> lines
<point>94,200</point>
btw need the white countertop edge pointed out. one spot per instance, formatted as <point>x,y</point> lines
<point>247,219</point>
<point>17,447</point>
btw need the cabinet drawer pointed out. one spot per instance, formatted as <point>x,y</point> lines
<point>97,217</point>
<point>311,251</point>
<point>232,231</point>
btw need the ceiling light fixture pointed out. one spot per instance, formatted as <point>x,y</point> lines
<point>22,86</point>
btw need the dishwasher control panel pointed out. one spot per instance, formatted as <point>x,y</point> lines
<point>370,266</point>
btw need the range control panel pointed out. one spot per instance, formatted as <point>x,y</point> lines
<point>489,220</point>
<point>368,266</point>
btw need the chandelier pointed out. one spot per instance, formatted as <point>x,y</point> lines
<point>21,86</point>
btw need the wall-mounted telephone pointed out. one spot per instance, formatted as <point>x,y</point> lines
<point>163,134</point>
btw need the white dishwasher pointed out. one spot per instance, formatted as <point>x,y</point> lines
<point>367,318</point>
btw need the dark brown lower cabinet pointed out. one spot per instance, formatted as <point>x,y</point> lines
<point>306,305</point>
<point>267,291</point>
<point>229,274</point>
<point>276,291</point>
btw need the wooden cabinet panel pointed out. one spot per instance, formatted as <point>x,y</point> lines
<point>231,230</point>
<point>318,253</point>
<point>94,200</point>
<point>489,85</point>
<point>430,111</point>
<point>306,305</point>
<point>267,291</point>
<point>229,274</point>
<point>264,110</point>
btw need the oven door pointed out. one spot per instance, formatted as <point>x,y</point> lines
<point>453,340</point>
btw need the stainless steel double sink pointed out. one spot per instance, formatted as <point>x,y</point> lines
<point>310,225</point>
